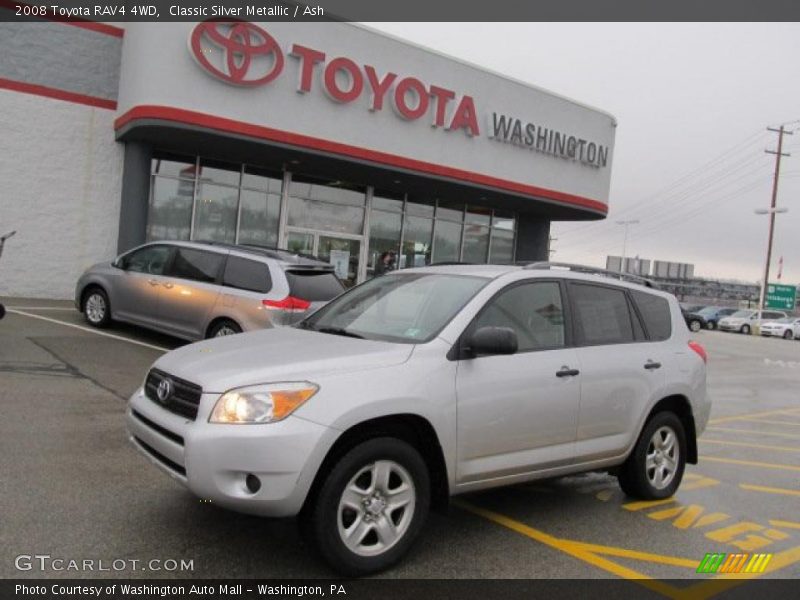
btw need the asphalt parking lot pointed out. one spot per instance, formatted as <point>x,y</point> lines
<point>73,487</point>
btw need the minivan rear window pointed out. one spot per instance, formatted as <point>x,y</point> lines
<point>314,285</point>
<point>655,312</point>
<point>245,274</point>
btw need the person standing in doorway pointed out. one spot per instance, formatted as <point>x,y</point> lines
<point>386,263</point>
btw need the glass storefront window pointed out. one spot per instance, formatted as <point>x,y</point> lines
<point>263,180</point>
<point>387,201</point>
<point>446,241</point>
<point>416,250</point>
<point>384,235</point>
<point>179,167</point>
<point>215,213</point>
<point>476,244</point>
<point>452,211</point>
<point>315,206</point>
<point>478,215</point>
<point>419,208</point>
<point>170,212</point>
<point>336,192</point>
<point>502,220</point>
<point>258,223</point>
<point>502,250</point>
<point>226,174</point>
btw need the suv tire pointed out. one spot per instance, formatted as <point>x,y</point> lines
<point>357,496</point>
<point>655,467</point>
<point>224,327</point>
<point>96,307</point>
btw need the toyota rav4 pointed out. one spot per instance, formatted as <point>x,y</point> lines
<point>423,384</point>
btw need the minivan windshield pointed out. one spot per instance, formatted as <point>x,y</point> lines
<point>407,308</point>
<point>743,314</point>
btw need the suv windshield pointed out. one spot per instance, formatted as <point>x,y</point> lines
<point>407,308</point>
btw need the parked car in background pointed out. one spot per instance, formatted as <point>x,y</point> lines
<point>196,290</point>
<point>692,308</point>
<point>694,321</point>
<point>745,320</point>
<point>712,314</point>
<point>422,384</point>
<point>788,328</point>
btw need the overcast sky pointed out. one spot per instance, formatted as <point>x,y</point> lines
<point>692,103</point>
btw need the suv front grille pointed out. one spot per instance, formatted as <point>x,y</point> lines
<point>183,397</point>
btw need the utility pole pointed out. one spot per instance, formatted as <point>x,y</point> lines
<point>550,250</point>
<point>626,224</point>
<point>781,131</point>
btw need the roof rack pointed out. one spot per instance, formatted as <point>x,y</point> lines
<point>592,271</point>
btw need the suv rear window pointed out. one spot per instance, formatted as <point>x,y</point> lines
<point>656,315</point>
<point>314,285</point>
<point>602,314</point>
<point>245,274</point>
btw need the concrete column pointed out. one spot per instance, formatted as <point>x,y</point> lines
<point>135,196</point>
<point>532,235</point>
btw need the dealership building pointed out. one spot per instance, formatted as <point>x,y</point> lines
<point>325,138</point>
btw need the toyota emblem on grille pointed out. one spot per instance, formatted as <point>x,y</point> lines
<point>164,390</point>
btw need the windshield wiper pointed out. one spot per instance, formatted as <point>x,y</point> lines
<point>339,331</point>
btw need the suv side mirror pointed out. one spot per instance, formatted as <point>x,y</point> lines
<point>493,340</point>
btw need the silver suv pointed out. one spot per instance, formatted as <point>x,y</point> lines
<point>196,290</point>
<point>426,383</point>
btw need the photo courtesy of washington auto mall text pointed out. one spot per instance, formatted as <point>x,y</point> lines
<point>412,299</point>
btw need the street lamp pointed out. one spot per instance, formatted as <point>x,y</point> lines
<point>772,211</point>
<point>626,224</point>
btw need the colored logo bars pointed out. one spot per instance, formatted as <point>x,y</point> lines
<point>721,562</point>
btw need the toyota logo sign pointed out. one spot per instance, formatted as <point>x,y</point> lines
<point>236,52</point>
<point>164,390</point>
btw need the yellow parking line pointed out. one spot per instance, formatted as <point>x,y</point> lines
<point>768,422</point>
<point>750,463</point>
<point>749,445</point>
<point>674,561</point>
<point>768,490</point>
<point>786,524</point>
<point>750,415</point>
<point>792,436</point>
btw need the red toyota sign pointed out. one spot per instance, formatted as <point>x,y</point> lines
<point>242,47</point>
<point>242,53</point>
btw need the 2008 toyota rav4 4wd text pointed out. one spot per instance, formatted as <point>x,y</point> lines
<point>427,383</point>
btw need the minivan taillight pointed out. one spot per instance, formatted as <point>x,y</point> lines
<point>289,304</point>
<point>698,348</point>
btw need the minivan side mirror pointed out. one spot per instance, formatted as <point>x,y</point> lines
<point>119,263</point>
<point>492,340</point>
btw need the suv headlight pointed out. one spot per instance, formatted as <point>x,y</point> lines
<point>266,403</point>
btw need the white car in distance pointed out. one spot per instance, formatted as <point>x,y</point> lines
<point>788,328</point>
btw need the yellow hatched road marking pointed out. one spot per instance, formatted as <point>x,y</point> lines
<point>769,490</point>
<point>792,436</point>
<point>787,524</point>
<point>749,445</point>
<point>790,423</point>
<point>751,463</point>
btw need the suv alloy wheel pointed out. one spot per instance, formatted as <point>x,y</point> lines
<point>371,506</point>
<point>655,467</point>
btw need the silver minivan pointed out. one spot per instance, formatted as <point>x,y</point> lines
<point>423,384</point>
<point>196,290</point>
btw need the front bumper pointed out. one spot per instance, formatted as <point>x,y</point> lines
<point>773,332</point>
<point>214,460</point>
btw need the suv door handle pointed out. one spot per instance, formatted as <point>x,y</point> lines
<point>652,365</point>
<point>152,281</point>
<point>567,372</point>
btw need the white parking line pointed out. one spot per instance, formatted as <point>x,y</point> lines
<point>88,329</point>
<point>65,308</point>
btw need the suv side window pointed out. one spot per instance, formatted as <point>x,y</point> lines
<point>245,274</point>
<point>534,311</point>
<point>196,265</point>
<point>656,315</point>
<point>602,314</point>
<point>152,260</point>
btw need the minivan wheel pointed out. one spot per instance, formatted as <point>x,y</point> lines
<point>788,335</point>
<point>96,308</point>
<point>695,326</point>
<point>655,467</point>
<point>745,329</point>
<point>371,506</point>
<point>223,328</point>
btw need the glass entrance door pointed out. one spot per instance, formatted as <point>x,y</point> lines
<point>343,252</point>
